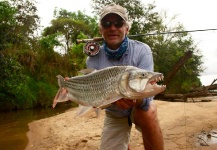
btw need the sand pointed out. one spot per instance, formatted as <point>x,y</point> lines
<point>183,125</point>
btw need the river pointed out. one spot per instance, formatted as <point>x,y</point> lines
<point>14,126</point>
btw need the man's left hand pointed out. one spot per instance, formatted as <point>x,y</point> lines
<point>127,103</point>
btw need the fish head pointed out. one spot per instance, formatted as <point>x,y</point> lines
<point>139,83</point>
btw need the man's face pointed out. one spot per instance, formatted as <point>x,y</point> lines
<point>113,29</point>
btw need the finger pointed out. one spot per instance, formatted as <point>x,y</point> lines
<point>66,78</point>
<point>64,90</point>
<point>130,102</point>
<point>126,103</point>
<point>122,104</point>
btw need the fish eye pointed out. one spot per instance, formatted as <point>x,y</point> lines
<point>143,74</point>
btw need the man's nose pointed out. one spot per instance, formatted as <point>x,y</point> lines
<point>113,27</point>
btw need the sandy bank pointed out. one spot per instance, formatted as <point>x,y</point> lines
<point>181,123</point>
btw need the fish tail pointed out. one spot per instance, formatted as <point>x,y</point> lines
<point>62,94</point>
<point>56,97</point>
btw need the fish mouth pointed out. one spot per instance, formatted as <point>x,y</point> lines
<point>154,82</point>
<point>156,78</point>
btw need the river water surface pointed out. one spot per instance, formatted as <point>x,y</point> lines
<point>14,126</point>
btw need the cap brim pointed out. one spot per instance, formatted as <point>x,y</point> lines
<point>112,13</point>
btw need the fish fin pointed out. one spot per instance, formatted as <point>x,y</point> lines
<point>56,96</point>
<point>87,71</point>
<point>97,111</point>
<point>61,96</point>
<point>83,110</point>
<point>109,102</point>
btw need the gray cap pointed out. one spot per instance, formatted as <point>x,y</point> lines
<point>115,9</point>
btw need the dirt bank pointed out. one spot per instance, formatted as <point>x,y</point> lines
<point>181,123</point>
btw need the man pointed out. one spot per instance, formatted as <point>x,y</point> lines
<point>118,49</point>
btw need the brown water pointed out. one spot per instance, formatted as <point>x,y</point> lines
<point>14,126</point>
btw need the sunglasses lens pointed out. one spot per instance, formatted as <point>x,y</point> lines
<point>108,24</point>
<point>118,24</point>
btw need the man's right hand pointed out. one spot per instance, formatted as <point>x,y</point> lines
<point>66,78</point>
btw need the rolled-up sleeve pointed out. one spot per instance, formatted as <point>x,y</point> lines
<point>146,103</point>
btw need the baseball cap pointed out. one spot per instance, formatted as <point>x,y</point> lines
<point>115,9</point>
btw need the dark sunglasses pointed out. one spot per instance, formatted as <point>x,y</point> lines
<point>108,24</point>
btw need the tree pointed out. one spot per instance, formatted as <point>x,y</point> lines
<point>167,48</point>
<point>19,23</point>
<point>68,26</point>
<point>7,24</point>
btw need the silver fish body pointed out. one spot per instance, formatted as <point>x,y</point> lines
<point>103,87</point>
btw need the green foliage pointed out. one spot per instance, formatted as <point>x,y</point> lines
<point>68,26</point>
<point>18,24</point>
<point>26,18</point>
<point>25,62</point>
<point>27,84</point>
<point>14,91</point>
<point>49,42</point>
<point>7,22</point>
<point>45,92</point>
<point>78,57</point>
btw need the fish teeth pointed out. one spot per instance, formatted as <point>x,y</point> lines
<point>160,78</point>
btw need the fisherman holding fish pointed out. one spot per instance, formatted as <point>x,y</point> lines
<point>123,82</point>
<point>119,50</point>
<point>119,78</point>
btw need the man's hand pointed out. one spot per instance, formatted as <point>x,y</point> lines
<point>127,103</point>
<point>66,78</point>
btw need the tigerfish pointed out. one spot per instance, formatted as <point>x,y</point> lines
<point>100,88</point>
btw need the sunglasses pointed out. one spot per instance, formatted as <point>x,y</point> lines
<point>108,24</point>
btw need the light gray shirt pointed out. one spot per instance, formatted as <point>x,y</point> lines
<point>137,54</point>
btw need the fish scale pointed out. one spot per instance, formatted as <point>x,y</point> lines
<point>103,87</point>
<point>96,86</point>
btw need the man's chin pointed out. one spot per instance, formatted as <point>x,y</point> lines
<point>113,42</point>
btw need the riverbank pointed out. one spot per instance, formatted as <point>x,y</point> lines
<point>182,125</point>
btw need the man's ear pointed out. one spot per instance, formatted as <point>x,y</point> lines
<point>127,30</point>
